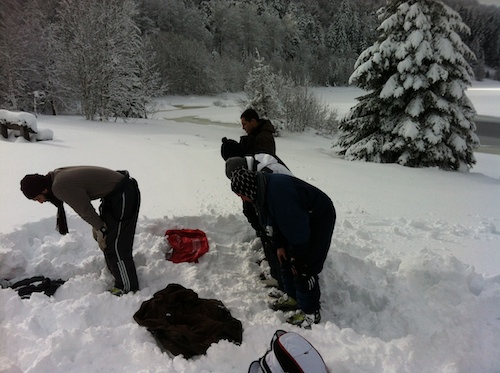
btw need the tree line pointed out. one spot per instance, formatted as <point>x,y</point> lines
<point>109,58</point>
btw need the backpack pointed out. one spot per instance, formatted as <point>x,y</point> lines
<point>187,245</point>
<point>290,353</point>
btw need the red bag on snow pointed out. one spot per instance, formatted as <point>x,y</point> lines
<point>187,244</point>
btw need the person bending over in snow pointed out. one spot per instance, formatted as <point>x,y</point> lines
<point>113,228</point>
<point>256,151</point>
<point>303,218</point>
<point>271,164</point>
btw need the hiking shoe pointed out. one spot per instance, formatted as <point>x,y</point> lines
<point>117,291</point>
<point>270,282</point>
<point>5,283</point>
<point>304,320</point>
<point>284,303</point>
<point>275,293</point>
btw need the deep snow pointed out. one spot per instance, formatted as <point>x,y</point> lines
<point>411,283</point>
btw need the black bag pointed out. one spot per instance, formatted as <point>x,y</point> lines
<point>37,284</point>
<point>290,353</point>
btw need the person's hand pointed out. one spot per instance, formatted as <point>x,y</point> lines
<point>301,271</point>
<point>281,254</point>
<point>298,267</point>
<point>100,236</point>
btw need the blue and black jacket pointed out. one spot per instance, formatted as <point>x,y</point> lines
<point>302,217</point>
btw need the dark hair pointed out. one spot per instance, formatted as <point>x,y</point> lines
<point>34,184</point>
<point>250,114</point>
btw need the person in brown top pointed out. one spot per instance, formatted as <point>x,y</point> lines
<point>260,134</point>
<point>113,228</point>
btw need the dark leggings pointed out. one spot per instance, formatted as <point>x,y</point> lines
<point>120,211</point>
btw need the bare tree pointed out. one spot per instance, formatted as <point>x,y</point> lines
<point>14,51</point>
<point>99,55</point>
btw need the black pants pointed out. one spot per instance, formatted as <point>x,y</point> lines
<point>269,250</point>
<point>120,210</point>
<point>272,259</point>
<point>306,290</point>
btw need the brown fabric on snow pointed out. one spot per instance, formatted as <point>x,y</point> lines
<point>183,323</point>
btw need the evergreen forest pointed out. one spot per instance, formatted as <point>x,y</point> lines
<point>108,58</point>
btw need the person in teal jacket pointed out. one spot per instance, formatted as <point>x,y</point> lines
<point>303,219</point>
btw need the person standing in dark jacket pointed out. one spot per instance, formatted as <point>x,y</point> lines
<point>259,137</point>
<point>113,228</point>
<point>303,219</point>
<point>259,140</point>
<point>260,134</point>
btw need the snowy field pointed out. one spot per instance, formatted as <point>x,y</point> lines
<point>411,282</point>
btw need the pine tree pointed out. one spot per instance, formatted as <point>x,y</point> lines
<point>337,37</point>
<point>290,106</point>
<point>261,90</point>
<point>416,113</point>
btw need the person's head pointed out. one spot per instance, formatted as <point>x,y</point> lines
<point>36,187</point>
<point>233,163</point>
<point>249,120</point>
<point>230,148</point>
<point>244,184</point>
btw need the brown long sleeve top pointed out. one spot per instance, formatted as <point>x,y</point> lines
<point>79,185</point>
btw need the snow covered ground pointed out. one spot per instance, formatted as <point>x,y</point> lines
<point>411,283</point>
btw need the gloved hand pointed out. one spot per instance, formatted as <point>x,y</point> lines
<point>301,271</point>
<point>100,236</point>
<point>299,268</point>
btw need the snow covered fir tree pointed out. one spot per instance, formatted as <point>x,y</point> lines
<point>416,112</point>
<point>260,88</point>
<point>291,106</point>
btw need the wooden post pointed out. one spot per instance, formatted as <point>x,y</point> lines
<point>3,129</point>
<point>25,132</point>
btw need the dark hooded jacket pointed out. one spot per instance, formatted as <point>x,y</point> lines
<point>302,217</point>
<point>260,140</point>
